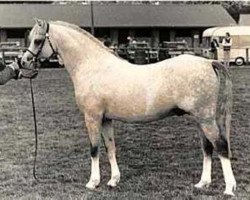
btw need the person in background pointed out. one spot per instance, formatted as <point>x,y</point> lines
<point>227,43</point>
<point>214,46</point>
<point>115,49</point>
<point>11,71</point>
<point>131,39</point>
<point>107,41</point>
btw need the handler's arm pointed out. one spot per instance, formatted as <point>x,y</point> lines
<point>7,73</point>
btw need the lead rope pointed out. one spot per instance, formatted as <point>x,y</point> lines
<point>35,126</point>
<point>36,139</point>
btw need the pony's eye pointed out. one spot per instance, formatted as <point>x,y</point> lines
<point>37,41</point>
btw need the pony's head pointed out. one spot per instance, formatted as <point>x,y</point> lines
<point>40,45</point>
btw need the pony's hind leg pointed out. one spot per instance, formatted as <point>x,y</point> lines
<point>207,149</point>
<point>228,175</point>
<point>220,144</point>
<point>93,124</point>
<point>109,141</point>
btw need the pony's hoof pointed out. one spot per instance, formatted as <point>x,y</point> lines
<point>229,189</point>
<point>202,184</point>
<point>92,184</point>
<point>113,182</point>
<point>230,193</point>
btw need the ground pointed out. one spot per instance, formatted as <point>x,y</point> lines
<point>160,160</point>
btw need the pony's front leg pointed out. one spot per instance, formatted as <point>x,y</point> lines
<point>108,136</point>
<point>93,124</point>
<point>207,149</point>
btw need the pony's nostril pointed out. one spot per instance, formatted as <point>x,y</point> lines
<point>23,63</point>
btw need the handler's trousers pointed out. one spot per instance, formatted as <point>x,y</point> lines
<point>226,58</point>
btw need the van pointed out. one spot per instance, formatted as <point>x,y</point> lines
<point>240,43</point>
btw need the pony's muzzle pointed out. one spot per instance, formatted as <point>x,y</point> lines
<point>28,69</point>
<point>28,60</point>
<point>30,74</point>
<point>28,63</point>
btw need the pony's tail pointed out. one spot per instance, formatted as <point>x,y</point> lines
<point>224,107</point>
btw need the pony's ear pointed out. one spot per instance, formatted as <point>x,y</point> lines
<point>39,22</point>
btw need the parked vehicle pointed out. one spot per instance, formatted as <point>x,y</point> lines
<point>173,49</point>
<point>140,48</point>
<point>122,51</point>
<point>240,42</point>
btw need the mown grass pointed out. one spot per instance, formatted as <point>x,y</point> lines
<point>159,160</point>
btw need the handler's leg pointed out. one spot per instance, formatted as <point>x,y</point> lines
<point>221,146</point>
<point>207,149</point>
<point>93,124</point>
<point>108,136</point>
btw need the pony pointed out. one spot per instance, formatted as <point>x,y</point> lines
<point>110,88</point>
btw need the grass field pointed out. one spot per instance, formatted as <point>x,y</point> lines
<point>160,160</point>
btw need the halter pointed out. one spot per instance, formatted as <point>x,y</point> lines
<point>35,55</point>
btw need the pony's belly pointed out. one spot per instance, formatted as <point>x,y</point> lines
<point>146,117</point>
<point>139,118</point>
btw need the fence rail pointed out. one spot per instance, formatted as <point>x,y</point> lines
<point>8,54</point>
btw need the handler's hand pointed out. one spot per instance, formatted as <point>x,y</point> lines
<point>16,69</point>
<point>14,66</point>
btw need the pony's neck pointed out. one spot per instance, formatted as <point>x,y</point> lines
<point>77,51</point>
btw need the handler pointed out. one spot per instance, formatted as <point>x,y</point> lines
<point>227,43</point>
<point>214,49</point>
<point>11,71</point>
<point>15,71</point>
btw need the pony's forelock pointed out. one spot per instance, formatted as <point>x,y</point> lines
<point>38,29</point>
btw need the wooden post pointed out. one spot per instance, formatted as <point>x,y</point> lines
<point>247,56</point>
<point>92,19</point>
<point>172,35</point>
<point>26,38</point>
<point>155,38</point>
<point>114,36</point>
<point>3,57</point>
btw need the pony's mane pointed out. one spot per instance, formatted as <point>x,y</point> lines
<point>85,33</point>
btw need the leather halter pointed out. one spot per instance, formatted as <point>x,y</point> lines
<point>35,55</point>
